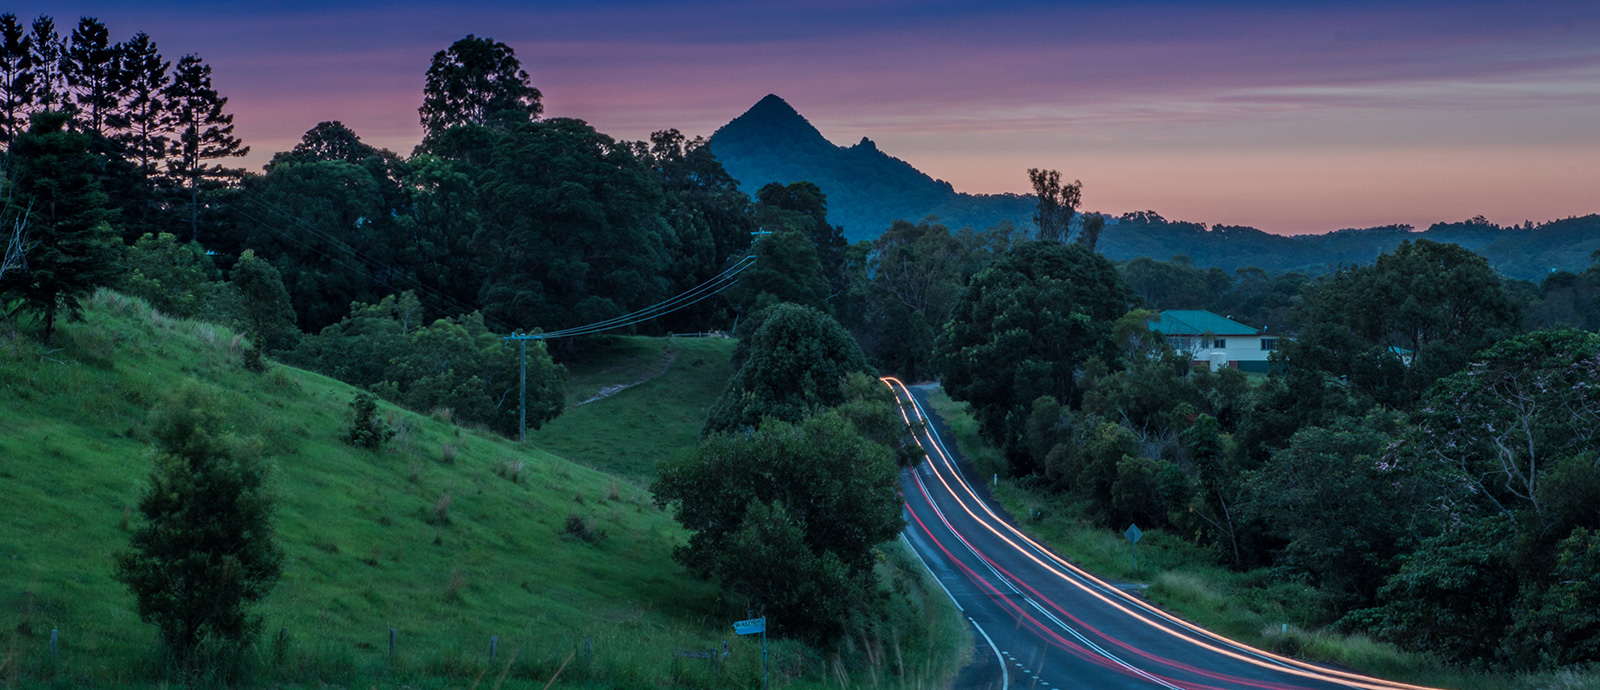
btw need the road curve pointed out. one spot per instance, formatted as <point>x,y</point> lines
<point>1046,623</point>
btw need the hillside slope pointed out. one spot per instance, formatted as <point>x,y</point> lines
<point>670,384</point>
<point>448,536</point>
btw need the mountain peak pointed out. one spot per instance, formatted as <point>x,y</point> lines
<point>774,123</point>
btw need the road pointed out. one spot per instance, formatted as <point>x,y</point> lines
<point>1041,622</point>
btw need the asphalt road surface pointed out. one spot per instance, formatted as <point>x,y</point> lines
<point>1040,622</point>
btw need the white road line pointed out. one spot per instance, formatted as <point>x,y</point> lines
<point>930,572</point>
<point>1005,675</point>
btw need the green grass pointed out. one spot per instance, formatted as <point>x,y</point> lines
<point>632,431</point>
<point>447,536</point>
<point>1253,607</point>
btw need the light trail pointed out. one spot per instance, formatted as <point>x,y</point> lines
<point>1083,580</point>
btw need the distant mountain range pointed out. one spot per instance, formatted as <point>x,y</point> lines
<point>868,189</point>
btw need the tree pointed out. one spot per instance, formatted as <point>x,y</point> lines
<point>911,276</point>
<point>171,277</point>
<point>1057,204</point>
<point>366,429</point>
<point>570,230</point>
<point>711,220</point>
<point>204,132</point>
<point>74,250</point>
<point>1563,625</point>
<point>1021,329</point>
<point>786,517</point>
<point>796,363</point>
<point>459,365</point>
<point>1342,503</point>
<point>476,79</point>
<point>143,123</point>
<point>1453,596</point>
<point>343,245</point>
<point>14,258</point>
<point>49,82</point>
<point>801,206</point>
<point>329,141</point>
<point>1503,427</point>
<point>204,553</point>
<point>16,77</point>
<point>786,270</point>
<point>268,317</point>
<point>455,363</point>
<point>91,68</point>
<point>1413,316</point>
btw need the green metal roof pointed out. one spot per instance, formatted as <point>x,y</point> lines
<point>1198,322</point>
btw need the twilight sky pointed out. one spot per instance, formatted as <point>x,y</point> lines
<point>1290,117</point>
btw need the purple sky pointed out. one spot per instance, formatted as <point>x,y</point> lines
<point>1291,117</point>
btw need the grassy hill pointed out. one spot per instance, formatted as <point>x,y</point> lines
<point>670,385</point>
<point>448,536</point>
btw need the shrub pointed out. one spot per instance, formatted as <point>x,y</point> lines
<point>366,429</point>
<point>206,532</point>
<point>583,528</point>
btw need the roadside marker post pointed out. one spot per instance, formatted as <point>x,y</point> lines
<point>1133,535</point>
<point>751,627</point>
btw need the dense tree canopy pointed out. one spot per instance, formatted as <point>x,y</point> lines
<point>473,80</point>
<point>1393,328</point>
<point>1022,328</point>
<point>786,517</point>
<point>796,363</point>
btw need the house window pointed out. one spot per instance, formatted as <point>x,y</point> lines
<point>1220,343</point>
<point>1269,344</point>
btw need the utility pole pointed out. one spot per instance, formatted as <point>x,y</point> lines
<point>522,423</point>
<point>522,396</point>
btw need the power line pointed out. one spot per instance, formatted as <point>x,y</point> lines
<point>726,279</point>
<point>715,285</point>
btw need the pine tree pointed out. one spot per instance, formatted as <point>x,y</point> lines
<point>74,249</point>
<point>204,131</point>
<point>89,65</point>
<point>49,84</point>
<point>143,122</point>
<point>16,77</point>
<point>205,552</point>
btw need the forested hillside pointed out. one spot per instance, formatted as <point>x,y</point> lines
<point>868,189</point>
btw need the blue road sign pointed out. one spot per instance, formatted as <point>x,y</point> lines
<point>750,627</point>
<point>1133,534</point>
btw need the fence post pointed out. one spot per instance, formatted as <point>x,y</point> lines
<point>55,636</point>
<point>494,641</point>
<point>588,654</point>
<point>391,646</point>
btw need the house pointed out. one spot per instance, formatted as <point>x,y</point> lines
<point>1216,340</point>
